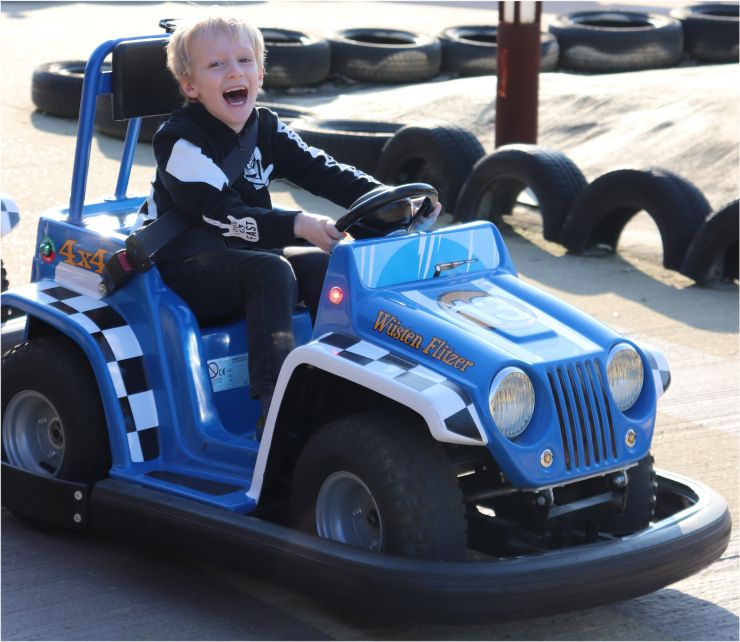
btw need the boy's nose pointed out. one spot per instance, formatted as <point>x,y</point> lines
<point>233,69</point>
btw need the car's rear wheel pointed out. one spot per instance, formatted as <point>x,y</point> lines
<point>53,422</point>
<point>380,485</point>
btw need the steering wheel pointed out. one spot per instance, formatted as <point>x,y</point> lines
<point>392,219</point>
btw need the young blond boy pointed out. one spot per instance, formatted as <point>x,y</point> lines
<point>240,254</point>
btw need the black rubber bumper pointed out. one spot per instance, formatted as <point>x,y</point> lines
<point>677,546</point>
<point>693,532</point>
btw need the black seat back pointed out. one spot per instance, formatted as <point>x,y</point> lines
<point>142,84</point>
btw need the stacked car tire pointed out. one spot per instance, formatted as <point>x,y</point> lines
<point>697,241</point>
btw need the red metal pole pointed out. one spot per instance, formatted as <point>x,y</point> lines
<point>518,66</point>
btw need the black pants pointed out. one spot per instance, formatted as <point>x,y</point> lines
<point>264,286</point>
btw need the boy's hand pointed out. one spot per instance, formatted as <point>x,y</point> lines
<point>318,230</point>
<point>425,222</point>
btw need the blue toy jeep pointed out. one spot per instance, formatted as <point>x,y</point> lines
<point>446,440</point>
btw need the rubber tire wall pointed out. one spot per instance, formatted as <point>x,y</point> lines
<point>56,87</point>
<point>472,50</point>
<point>441,155</point>
<point>352,142</point>
<point>497,179</point>
<point>713,253</point>
<point>710,31</point>
<point>385,55</point>
<point>605,206</point>
<point>294,58</point>
<point>631,41</point>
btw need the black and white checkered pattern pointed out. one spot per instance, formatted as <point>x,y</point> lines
<point>123,355</point>
<point>451,401</point>
<point>9,215</point>
<point>659,367</point>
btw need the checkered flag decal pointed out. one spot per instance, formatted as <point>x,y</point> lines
<point>659,367</point>
<point>9,214</point>
<point>123,354</point>
<point>453,402</point>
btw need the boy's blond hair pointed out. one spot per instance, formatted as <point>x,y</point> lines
<point>178,47</point>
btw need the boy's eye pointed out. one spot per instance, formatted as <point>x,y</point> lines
<point>246,60</point>
<point>215,63</point>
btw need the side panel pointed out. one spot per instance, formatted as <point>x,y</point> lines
<point>116,359</point>
<point>446,408</point>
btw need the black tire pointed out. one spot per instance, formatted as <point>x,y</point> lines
<point>713,252</point>
<point>640,500</point>
<point>50,379</point>
<point>415,506</point>
<point>441,155</point>
<point>287,113</point>
<point>385,55</point>
<point>472,50</point>
<point>605,206</point>
<point>497,179</point>
<point>56,87</point>
<point>353,142</point>
<point>710,31</point>
<point>105,124</point>
<point>614,41</point>
<point>294,58</point>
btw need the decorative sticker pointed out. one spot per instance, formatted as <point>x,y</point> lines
<point>85,259</point>
<point>229,372</point>
<point>436,348</point>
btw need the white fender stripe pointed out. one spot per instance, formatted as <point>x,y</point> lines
<point>446,407</point>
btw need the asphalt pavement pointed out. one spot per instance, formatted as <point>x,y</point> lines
<point>60,586</point>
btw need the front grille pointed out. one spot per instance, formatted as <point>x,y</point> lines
<point>582,403</point>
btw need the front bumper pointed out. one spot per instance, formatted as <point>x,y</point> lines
<point>692,532</point>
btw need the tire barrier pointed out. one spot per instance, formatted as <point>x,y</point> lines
<point>294,58</point>
<point>384,55</point>
<point>442,155</point>
<point>352,142</point>
<point>472,50</point>
<point>713,252</point>
<point>104,123</point>
<point>604,207</point>
<point>497,179</point>
<point>710,31</point>
<point>615,41</point>
<point>56,87</point>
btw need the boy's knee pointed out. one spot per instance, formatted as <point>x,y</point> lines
<point>273,273</point>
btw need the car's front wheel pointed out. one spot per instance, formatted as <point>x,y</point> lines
<point>380,484</point>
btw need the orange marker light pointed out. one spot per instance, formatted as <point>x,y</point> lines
<point>336,295</point>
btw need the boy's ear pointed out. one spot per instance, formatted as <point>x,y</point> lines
<point>188,88</point>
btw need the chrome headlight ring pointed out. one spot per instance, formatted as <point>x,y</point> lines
<point>625,374</point>
<point>511,401</point>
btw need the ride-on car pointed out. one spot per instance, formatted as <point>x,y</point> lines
<point>446,441</point>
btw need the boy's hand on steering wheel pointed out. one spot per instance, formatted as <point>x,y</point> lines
<point>318,230</point>
<point>424,222</point>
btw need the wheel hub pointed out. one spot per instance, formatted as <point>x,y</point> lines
<point>33,434</point>
<point>346,512</point>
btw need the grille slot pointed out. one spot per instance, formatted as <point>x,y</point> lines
<point>584,416</point>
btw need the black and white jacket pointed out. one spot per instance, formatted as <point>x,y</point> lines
<point>189,149</point>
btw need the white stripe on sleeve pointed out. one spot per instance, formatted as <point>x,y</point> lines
<point>188,164</point>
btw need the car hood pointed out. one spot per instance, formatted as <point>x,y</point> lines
<point>491,320</point>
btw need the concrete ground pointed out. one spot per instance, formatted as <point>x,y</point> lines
<point>59,586</point>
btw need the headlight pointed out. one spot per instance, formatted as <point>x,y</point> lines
<point>511,401</point>
<point>624,372</point>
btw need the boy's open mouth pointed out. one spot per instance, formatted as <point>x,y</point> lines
<point>237,96</point>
